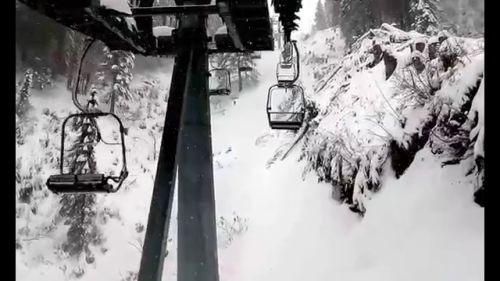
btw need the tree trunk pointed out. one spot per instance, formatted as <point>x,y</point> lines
<point>112,102</point>
<point>239,76</point>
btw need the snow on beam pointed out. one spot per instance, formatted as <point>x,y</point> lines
<point>162,31</point>
<point>172,10</point>
<point>117,5</point>
<point>221,30</point>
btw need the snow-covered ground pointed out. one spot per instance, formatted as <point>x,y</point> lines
<point>422,226</point>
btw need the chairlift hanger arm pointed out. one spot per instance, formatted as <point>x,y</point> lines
<point>298,59</point>
<point>79,74</point>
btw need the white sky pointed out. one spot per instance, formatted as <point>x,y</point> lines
<point>306,15</point>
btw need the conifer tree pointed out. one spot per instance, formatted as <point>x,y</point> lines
<point>424,14</point>
<point>320,18</point>
<point>79,209</point>
<point>23,103</point>
<point>117,68</point>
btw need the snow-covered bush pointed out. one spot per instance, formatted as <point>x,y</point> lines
<point>22,97</point>
<point>229,228</point>
<point>369,118</point>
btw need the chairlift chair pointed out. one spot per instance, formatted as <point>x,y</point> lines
<point>245,68</point>
<point>287,70</point>
<point>256,55</point>
<point>88,183</point>
<point>285,107</point>
<point>219,82</point>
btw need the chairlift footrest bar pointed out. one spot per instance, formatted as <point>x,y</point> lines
<point>220,92</point>
<point>88,183</point>
<point>285,125</point>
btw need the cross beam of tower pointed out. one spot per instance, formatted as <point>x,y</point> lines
<point>186,147</point>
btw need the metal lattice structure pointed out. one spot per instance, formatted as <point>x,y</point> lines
<point>248,24</point>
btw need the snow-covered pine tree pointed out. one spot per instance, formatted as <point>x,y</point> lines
<point>332,12</point>
<point>463,17</point>
<point>42,75</point>
<point>23,103</point>
<point>329,12</point>
<point>79,209</point>
<point>320,17</point>
<point>19,132</point>
<point>117,68</point>
<point>357,17</point>
<point>74,45</point>
<point>424,16</point>
<point>234,61</point>
<point>250,77</point>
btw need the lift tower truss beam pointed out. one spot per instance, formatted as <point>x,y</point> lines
<point>190,136</point>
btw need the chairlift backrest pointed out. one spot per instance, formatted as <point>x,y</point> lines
<point>220,81</point>
<point>287,70</point>
<point>285,107</point>
<point>256,55</point>
<point>286,97</point>
<point>86,182</point>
